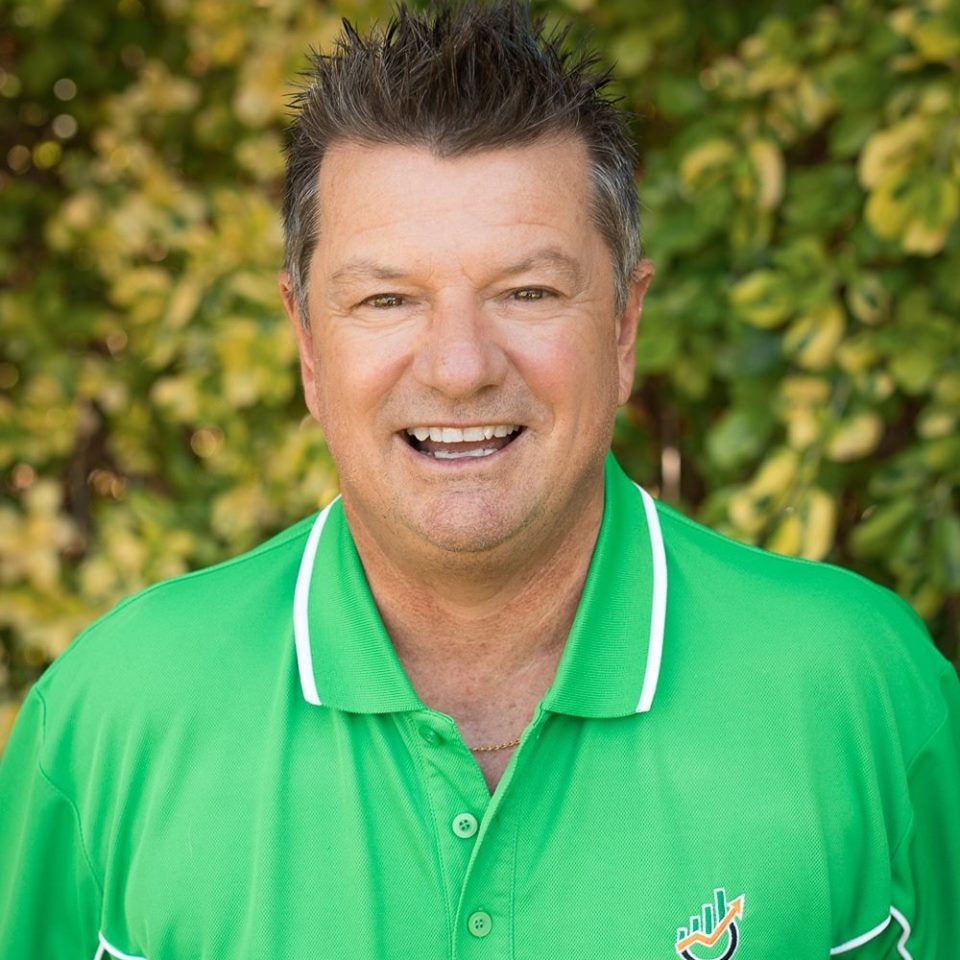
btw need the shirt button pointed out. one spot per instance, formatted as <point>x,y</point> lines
<point>430,735</point>
<point>464,825</point>
<point>479,923</point>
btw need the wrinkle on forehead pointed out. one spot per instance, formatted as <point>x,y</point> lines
<point>550,258</point>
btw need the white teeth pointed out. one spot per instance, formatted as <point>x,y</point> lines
<point>458,455</point>
<point>456,435</point>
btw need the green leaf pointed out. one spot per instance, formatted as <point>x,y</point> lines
<point>763,299</point>
<point>879,531</point>
<point>946,545</point>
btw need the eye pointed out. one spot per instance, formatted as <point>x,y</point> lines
<point>530,294</point>
<point>382,301</point>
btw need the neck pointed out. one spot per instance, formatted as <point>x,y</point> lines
<point>482,632</point>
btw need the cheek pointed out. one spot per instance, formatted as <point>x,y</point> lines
<point>578,371</point>
<point>355,375</point>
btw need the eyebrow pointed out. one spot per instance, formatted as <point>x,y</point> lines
<point>547,257</point>
<point>363,268</point>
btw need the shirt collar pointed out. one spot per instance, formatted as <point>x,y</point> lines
<point>609,667</point>
<point>611,663</point>
<point>345,657</point>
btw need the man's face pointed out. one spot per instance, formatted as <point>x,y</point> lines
<point>464,355</point>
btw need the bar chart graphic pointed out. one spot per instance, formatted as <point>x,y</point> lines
<point>712,934</point>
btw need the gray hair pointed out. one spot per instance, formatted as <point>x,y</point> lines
<point>463,78</point>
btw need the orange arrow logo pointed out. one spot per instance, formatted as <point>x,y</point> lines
<point>734,912</point>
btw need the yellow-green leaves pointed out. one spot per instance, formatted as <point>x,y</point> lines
<point>867,298</point>
<point>813,338</point>
<point>910,173</point>
<point>855,437</point>
<point>763,298</point>
<point>767,161</point>
<point>821,198</point>
<point>932,27</point>
<point>257,362</point>
<point>894,151</point>
<point>735,182</point>
<point>150,420</point>
<point>807,529</point>
<point>917,212</point>
<point>802,405</point>
<point>767,492</point>
<point>708,159</point>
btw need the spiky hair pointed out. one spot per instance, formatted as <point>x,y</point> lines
<point>460,78</point>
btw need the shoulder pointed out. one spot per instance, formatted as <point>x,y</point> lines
<point>169,640</point>
<point>815,633</point>
<point>796,595</point>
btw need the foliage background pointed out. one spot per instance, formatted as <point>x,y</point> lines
<point>799,362</point>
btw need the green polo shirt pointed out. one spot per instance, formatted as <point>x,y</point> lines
<point>742,755</point>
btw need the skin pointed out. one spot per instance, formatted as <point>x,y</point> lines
<point>460,292</point>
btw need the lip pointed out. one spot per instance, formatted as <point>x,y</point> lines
<point>477,464</point>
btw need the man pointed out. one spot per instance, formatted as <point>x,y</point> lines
<point>493,701</point>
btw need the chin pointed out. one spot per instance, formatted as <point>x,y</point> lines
<point>473,531</point>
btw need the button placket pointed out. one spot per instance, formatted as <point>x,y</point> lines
<point>486,910</point>
<point>457,798</point>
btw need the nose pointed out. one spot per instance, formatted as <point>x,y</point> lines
<point>459,355</point>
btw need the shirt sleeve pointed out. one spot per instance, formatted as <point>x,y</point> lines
<point>926,863</point>
<point>49,896</point>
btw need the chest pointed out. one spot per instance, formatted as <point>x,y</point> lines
<point>594,845</point>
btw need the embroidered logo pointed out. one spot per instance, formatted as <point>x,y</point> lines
<point>714,935</point>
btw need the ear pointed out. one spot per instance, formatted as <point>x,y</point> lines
<point>627,324</point>
<point>304,335</point>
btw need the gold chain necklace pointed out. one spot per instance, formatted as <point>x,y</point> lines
<point>496,746</point>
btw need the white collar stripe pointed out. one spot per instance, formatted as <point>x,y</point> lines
<point>301,619</point>
<point>658,606</point>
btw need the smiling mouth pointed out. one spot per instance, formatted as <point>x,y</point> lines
<point>458,443</point>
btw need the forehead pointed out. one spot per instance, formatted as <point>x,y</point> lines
<point>376,199</point>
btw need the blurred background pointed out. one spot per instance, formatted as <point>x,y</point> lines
<point>799,359</point>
